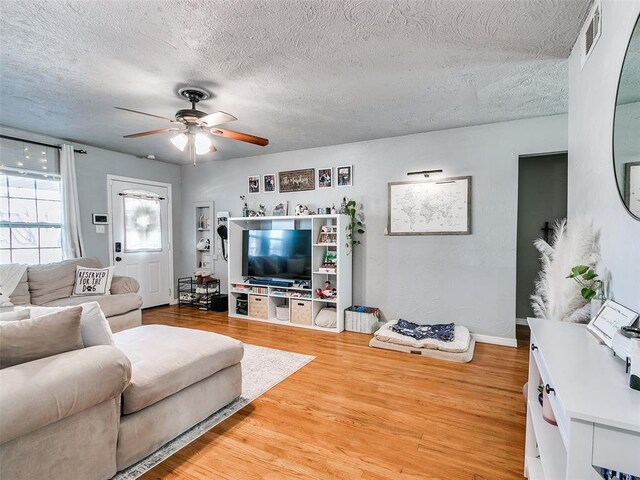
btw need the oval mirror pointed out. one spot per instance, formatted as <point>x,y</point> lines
<point>626,127</point>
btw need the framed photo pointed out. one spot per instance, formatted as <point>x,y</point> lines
<point>297,180</point>
<point>269,183</point>
<point>430,207</point>
<point>325,177</point>
<point>345,176</point>
<point>280,209</point>
<point>609,319</point>
<point>254,183</point>
<point>632,187</point>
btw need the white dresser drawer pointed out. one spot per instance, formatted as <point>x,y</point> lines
<point>616,449</point>
<point>553,395</point>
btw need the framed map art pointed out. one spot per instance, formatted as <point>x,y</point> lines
<point>430,207</point>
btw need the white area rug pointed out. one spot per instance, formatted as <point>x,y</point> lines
<point>262,369</point>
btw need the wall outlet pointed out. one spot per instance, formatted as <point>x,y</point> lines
<point>100,229</point>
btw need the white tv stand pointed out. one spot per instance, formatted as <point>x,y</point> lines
<point>302,304</point>
<point>598,415</point>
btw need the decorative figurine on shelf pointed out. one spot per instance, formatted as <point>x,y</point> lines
<point>301,209</point>
<point>328,292</point>
<point>261,211</point>
<point>329,264</point>
<point>245,208</point>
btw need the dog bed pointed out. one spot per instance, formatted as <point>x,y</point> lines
<point>459,350</point>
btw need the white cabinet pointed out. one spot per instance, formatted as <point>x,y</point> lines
<point>598,415</point>
<point>303,304</point>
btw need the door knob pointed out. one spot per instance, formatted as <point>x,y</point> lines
<point>118,259</point>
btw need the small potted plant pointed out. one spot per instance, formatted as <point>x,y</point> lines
<point>592,288</point>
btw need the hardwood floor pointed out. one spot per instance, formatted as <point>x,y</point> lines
<point>361,413</point>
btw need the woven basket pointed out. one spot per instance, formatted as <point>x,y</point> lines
<point>361,322</point>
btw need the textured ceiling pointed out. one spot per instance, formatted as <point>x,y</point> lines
<point>302,73</point>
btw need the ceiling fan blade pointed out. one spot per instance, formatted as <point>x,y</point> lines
<point>147,114</point>
<point>243,137</point>
<point>217,118</point>
<point>151,132</point>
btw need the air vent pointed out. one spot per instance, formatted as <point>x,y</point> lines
<point>591,33</point>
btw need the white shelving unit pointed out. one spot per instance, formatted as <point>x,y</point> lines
<point>598,415</point>
<point>303,303</point>
<point>204,210</point>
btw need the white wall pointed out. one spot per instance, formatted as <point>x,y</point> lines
<point>592,185</point>
<point>92,170</point>
<point>466,279</point>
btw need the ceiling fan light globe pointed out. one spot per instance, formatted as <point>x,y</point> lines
<point>203,144</point>
<point>180,141</point>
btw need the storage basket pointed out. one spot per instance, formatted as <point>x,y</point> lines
<point>282,312</point>
<point>301,312</point>
<point>258,307</point>
<point>361,321</point>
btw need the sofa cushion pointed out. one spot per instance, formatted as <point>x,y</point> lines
<point>95,327</point>
<point>121,285</point>
<point>166,360</point>
<point>111,305</point>
<point>27,340</point>
<point>53,281</point>
<point>15,315</point>
<point>20,295</point>
<point>44,391</point>
<point>92,281</point>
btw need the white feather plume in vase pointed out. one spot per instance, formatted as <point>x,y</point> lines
<point>556,296</point>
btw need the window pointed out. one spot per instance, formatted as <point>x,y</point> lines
<point>30,218</point>
<point>142,222</point>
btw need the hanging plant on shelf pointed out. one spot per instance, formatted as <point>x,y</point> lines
<point>356,224</point>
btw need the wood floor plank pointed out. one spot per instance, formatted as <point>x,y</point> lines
<point>361,413</point>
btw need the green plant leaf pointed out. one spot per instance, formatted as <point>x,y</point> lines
<point>590,275</point>
<point>588,293</point>
<point>360,230</point>
<point>579,269</point>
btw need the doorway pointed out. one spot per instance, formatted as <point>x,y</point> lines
<point>542,199</point>
<point>140,236</point>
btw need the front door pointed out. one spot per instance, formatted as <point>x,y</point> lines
<point>140,246</point>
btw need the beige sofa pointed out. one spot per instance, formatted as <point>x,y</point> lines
<point>88,413</point>
<point>51,285</point>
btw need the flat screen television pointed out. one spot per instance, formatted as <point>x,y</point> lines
<point>277,254</point>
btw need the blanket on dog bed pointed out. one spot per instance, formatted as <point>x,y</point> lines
<point>459,344</point>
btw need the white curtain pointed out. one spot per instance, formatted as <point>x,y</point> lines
<point>72,246</point>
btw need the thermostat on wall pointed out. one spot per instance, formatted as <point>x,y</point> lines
<point>100,218</point>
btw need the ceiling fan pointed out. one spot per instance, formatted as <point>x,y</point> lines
<point>195,126</point>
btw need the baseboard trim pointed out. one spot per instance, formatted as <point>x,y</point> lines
<point>503,341</point>
<point>521,321</point>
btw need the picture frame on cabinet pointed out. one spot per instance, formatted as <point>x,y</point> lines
<point>280,209</point>
<point>609,319</point>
